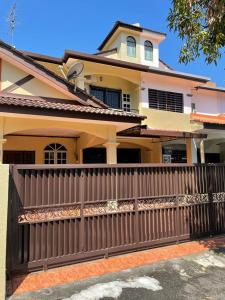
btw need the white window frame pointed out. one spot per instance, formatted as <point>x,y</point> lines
<point>55,153</point>
<point>131,46</point>
<point>126,102</point>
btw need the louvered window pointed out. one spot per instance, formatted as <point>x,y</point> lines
<point>164,100</point>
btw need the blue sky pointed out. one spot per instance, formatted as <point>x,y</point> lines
<point>51,26</point>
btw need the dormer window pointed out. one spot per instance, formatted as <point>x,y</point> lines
<point>148,51</point>
<point>131,46</point>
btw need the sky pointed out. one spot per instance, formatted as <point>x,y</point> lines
<point>51,26</point>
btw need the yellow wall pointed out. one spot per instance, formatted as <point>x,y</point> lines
<point>35,87</point>
<point>119,42</point>
<point>125,86</point>
<point>38,144</point>
<point>159,119</point>
<point>150,152</point>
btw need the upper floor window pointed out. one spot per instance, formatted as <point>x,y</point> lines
<point>131,46</point>
<point>148,51</point>
<point>164,100</point>
<point>111,97</point>
<point>55,154</point>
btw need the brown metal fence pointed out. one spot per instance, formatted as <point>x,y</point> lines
<point>64,214</point>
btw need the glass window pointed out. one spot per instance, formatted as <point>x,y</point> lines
<point>131,46</point>
<point>55,154</point>
<point>148,51</point>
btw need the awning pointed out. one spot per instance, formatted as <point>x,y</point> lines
<point>144,131</point>
<point>218,119</point>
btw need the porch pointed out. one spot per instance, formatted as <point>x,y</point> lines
<point>73,145</point>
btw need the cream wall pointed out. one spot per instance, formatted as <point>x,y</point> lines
<point>35,87</point>
<point>119,41</point>
<point>208,102</point>
<point>166,83</point>
<point>159,119</point>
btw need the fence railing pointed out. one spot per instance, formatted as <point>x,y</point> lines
<point>65,214</point>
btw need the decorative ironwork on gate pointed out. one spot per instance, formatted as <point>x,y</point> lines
<point>72,213</point>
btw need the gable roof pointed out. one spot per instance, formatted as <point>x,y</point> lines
<point>79,95</point>
<point>120,24</point>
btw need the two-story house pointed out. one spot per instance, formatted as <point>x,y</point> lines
<point>128,106</point>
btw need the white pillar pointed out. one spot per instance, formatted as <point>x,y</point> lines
<point>111,152</point>
<point>202,151</point>
<point>4,181</point>
<point>2,141</point>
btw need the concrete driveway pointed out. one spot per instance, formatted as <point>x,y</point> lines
<point>197,276</point>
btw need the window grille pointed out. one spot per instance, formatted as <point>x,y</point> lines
<point>164,100</point>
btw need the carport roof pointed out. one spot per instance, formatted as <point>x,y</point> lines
<point>144,131</point>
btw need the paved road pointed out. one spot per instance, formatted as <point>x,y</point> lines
<point>192,277</point>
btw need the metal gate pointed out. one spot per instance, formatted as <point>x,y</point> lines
<point>65,214</point>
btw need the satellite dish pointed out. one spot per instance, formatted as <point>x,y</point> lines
<point>74,71</point>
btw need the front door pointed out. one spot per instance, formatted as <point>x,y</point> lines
<point>18,157</point>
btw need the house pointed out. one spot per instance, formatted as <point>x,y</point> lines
<point>128,106</point>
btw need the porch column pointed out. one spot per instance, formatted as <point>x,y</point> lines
<point>2,141</point>
<point>111,152</point>
<point>202,151</point>
<point>191,151</point>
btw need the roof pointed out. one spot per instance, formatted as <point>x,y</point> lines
<point>42,105</point>
<point>132,66</point>
<point>218,119</point>
<point>81,95</point>
<point>145,131</point>
<point>113,50</point>
<point>210,88</point>
<point>117,63</point>
<point>128,26</point>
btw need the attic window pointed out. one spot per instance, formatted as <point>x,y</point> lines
<point>131,46</point>
<point>148,51</point>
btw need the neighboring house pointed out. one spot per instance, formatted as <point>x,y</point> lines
<point>129,107</point>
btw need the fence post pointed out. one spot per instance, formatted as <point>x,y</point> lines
<point>82,187</point>
<point>177,205</point>
<point>4,188</point>
<point>137,239</point>
<point>211,204</point>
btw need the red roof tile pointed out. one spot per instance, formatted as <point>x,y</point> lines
<point>218,119</point>
<point>61,105</point>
